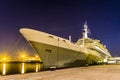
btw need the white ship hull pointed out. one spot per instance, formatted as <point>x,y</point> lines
<point>54,56</point>
<point>53,50</point>
<point>57,52</point>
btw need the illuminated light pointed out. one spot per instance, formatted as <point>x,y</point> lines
<point>36,67</point>
<point>37,57</point>
<point>23,69</point>
<point>23,56</point>
<point>4,69</point>
<point>4,58</point>
<point>105,60</point>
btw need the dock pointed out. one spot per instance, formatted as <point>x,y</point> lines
<point>97,72</point>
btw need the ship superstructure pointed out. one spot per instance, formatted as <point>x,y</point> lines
<point>59,52</point>
<point>95,49</point>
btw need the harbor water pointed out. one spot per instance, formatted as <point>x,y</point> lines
<point>7,68</point>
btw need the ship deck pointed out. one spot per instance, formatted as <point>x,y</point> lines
<point>98,72</point>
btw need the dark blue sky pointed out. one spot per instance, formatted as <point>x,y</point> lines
<point>61,18</point>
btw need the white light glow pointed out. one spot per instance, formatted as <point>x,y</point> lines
<point>23,69</point>
<point>36,67</point>
<point>4,69</point>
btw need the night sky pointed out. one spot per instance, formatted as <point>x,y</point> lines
<point>61,18</point>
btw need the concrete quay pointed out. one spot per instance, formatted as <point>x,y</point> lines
<point>98,72</point>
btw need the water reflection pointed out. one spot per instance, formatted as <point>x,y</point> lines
<point>36,67</point>
<point>4,68</point>
<point>19,67</point>
<point>23,69</point>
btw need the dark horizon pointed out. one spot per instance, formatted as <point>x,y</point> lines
<point>60,18</point>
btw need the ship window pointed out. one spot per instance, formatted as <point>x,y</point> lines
<point>48,51</point>
<point>51,36</point>
<point>64,40</point>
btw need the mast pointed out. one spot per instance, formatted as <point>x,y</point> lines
<point>85,33</point>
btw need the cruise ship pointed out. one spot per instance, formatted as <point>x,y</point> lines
<point>57,52</point>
